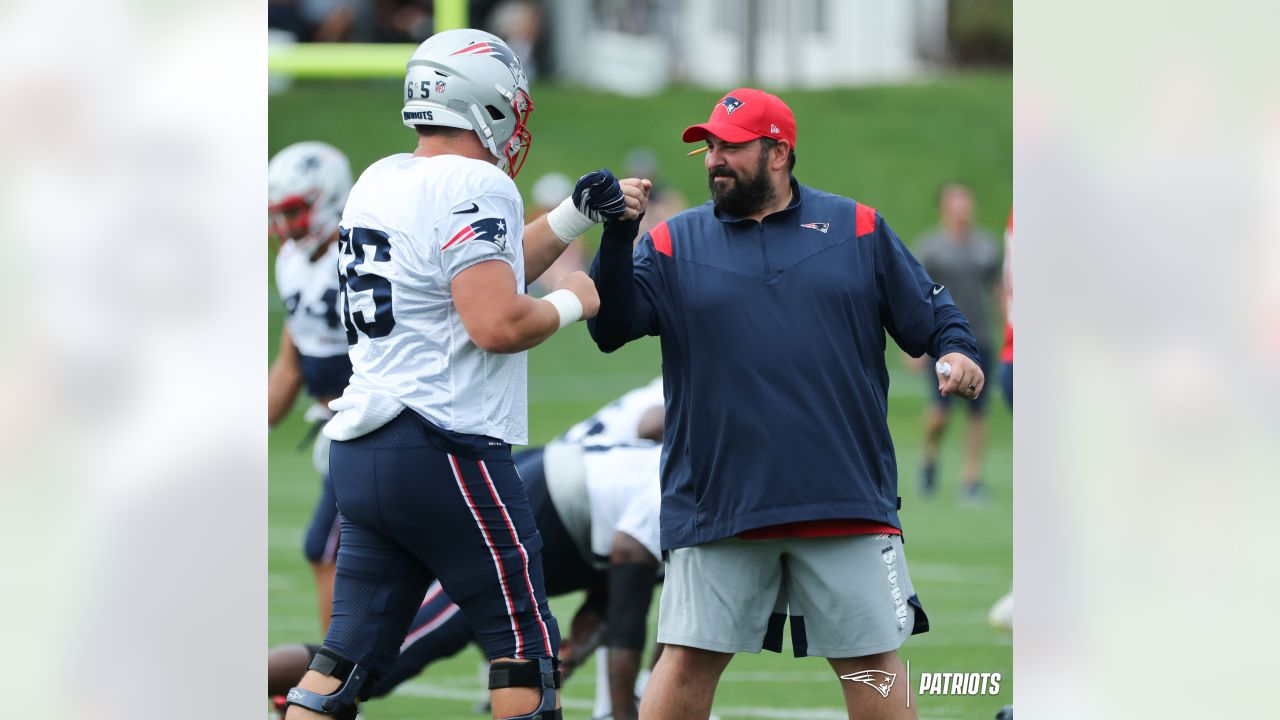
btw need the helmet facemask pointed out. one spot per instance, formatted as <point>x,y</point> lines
<point>517,148</point>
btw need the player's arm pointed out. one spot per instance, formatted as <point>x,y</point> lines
<point>632,574</point>
<point>597,196</point>
<point>284,380</point>
<point>922,317</point>
<point>652,423</point>
<point>501,320</point>
<point>586,631</point>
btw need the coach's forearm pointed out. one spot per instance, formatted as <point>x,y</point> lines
<point>613,272</point>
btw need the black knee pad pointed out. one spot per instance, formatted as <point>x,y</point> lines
<point>540,673</point>
<point>341,703</point>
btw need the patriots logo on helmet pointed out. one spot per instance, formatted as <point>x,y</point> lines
<point>731,103</point>
<point>492,229</point>
<point>879,680</point>
<point>498,51</point>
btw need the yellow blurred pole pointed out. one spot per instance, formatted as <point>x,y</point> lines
<point>450,15</point>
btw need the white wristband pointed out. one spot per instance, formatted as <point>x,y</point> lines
<point>567,304</point>
<point>567,222</point>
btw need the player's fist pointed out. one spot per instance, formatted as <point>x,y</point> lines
<point>599,196</point>
<point>581,285</point>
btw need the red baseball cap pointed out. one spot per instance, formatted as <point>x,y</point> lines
<point>744,115</point>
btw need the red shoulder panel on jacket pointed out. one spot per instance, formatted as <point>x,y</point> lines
<point>661,238</point>
<point>864,220</point>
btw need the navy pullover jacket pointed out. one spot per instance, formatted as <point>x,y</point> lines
<point>773,344</point>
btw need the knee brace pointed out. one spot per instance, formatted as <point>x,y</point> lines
<point>542,673</point>
<point>341,703</point>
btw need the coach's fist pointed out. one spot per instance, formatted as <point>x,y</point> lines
<point>959,375</point>
<point>580,284</point>
<point>636,191</point>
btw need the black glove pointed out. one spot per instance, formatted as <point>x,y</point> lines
<point>599,196</point>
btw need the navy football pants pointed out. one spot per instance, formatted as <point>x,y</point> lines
<point>419,502</point>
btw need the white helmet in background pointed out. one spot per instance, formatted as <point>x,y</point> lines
<point>470,79</point>
<point>307,187</point>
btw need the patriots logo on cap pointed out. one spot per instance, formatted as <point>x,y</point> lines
<point>492,229</point>
<point>309,163</point>
<point>731,103</point>
<point>820,227</point>
<point>880,680</point>
<point>498,51</point>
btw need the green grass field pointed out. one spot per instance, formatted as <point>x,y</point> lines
<point>889,147</point>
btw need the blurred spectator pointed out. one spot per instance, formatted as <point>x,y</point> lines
<point>963,258</point>
<point>664,200</point>
<point>321,20</point>
<point>548,192</point>
<point>519,22</point>
<point>403,21</point>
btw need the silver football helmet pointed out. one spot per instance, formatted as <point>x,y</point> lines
<point>307,188</point>
<point>471,79</point>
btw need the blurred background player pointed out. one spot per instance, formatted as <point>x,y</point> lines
<point>619,488</point>
<point>963,258</point>
<point>435,255</point>
<point>307,186</point>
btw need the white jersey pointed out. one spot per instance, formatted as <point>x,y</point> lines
<point>600,490</point>
<point>411,224</point>
<point>625,495</point>
<point>312,299</point>
<point>618,421</point>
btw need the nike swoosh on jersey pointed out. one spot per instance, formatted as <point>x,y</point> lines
<point>938,288</point>
<point>474,208</point>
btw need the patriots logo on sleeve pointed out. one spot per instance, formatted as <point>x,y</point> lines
<point>492,229</point>
<point>731,103</point>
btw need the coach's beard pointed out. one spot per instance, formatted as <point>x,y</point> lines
<point>742,197</point>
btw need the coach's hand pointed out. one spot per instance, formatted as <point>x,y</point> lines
<point>581,284</point>
<point>599,196</point>
<point>636,191</point>
<point>966,378</point>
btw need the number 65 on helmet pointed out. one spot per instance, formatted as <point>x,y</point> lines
<point>470,79</point>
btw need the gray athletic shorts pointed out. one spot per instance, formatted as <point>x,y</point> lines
<point>847,596</point>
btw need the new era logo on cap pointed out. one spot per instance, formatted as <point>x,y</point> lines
<point>743,115</point>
